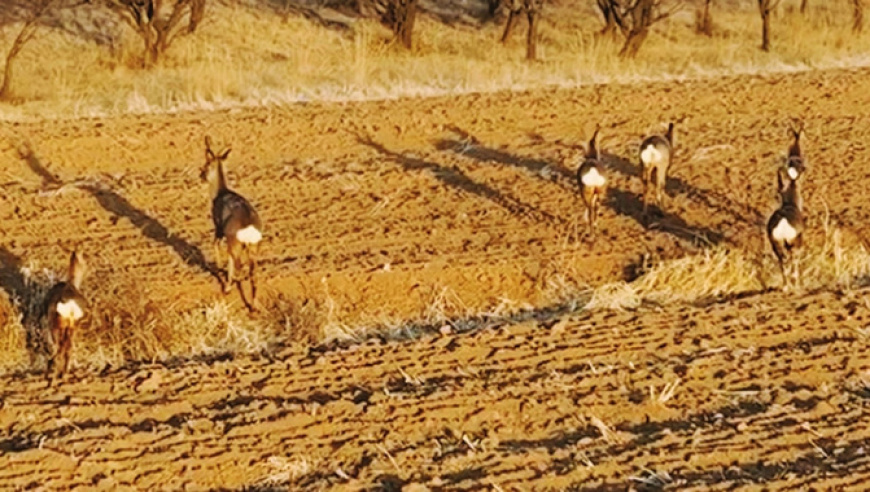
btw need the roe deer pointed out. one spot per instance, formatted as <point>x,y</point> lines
<point>785,228</point>
<point>64,307</point>
<point>235,220</point>
<point>592,183</point>
<point>656,153</point>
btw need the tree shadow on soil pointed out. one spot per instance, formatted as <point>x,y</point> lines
<point>116,204</point>
<point>457,179</point>
<point>23,299</point>
<point>621,201</point>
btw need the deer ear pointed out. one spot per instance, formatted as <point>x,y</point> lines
<point>225,153</point>
<point>209,155</point>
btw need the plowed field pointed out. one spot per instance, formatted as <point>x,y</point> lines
<point>377,210</point>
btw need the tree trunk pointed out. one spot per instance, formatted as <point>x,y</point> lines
<point>804,5</point>
<point>532,38</point>
<point>7,77</point>
<point>857,16</point>
<point>197,12</point>
<point>511,23</point>
<point>17,44</point>
<point>633,42</point>
<point>705,21</point>
<point>609,14</point>
<point>405,12</point>
<point>764,8</point>
<point>152,47</point>
<point>492,7</point>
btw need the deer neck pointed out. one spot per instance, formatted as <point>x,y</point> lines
<point>76,273</point>
<point>792,196</point>
<point>795,150</point>
<point>219,181</point>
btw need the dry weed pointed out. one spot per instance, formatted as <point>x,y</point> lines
<point>722,272</point>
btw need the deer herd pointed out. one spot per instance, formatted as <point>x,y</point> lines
<point>236,221</point>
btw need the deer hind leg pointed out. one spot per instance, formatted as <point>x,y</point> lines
<point>69,327</point>
<point>54,331</point>
<point>796,268</point>
<point>250,254</point>
<point>662,179</point>
<point>216,244</point>
<point>231,264</point>
<point>645,192</point>
<point>593,212</point>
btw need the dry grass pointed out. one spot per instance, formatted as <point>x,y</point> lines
<point>252,56</point>
<point>722,272</point>
<point>125,325</point>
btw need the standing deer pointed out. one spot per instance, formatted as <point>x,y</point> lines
<point>785,228</point>
<point>64,307</point>
<point>656,153</point>
<point>235,220</point>
<point>592,183</point>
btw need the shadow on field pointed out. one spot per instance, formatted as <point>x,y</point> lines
<point>455,178</point>
<point>151,228</point>
<point>710,199</point>
<point>468,145</point>
<point>11,278</point>
<point>621,201</point>
<point>116,204</point>
<point>24,298</point>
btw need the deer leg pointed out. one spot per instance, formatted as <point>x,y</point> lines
<point>587,216</point>
<point>253,268</point>
<point>217,259</point>
<point>593,225</point>
<point>68,334</point>
<point>784,268</point>
<point>230,267</point>
<point>53,345</point>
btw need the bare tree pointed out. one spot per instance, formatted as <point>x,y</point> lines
<point>608,9</point>
<point>158,22</point>
<point>704,20</point>
<point>401,15</point>
<point>765,8</point>
<point>532,9</point>
<point>492,7</point>
<point>634,18</point>
<point>857,16</point>
<point>34,12</point>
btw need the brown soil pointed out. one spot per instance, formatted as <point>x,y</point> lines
<point>379,208</point>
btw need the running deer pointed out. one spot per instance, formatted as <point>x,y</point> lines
<point>656,153</point>
<point>794,162</point>
<point>785,228</point>
<point>592,183</point>
<point>234,220</point>
<point>65,307</point>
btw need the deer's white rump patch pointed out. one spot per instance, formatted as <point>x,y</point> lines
<point>784,231</point>
<point>592,178</point>
<point>650,155</point>
<point>70,309</point>
<point>249,235</point>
